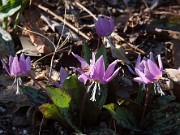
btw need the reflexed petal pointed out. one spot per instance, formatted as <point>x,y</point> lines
<point>83,78</point>
<point>131,70</point>
<point>160,62</point>
<point>77,69</point>
<point>110,69</point>
<point>139,80</point>
<point>5,67</point>
<point>142,76</point>
<point>155,71</point>
<point>15,68</point>
<point>99,69</point>
<point>83,62</point>
<point>149,75</point>
<point>10,60</point>
<point>63,74</point>
<point>28,64</point>
<point>151,57</point>
<point>138,61</point>
<point>112,76</point>
<point>22,64</point>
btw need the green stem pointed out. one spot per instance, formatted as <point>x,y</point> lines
<point>99,42</point>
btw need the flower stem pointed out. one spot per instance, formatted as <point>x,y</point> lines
<point>145,103</point>
<point>99,42</point>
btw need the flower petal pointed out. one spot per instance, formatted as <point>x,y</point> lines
<point>160,62</point>
<point>63,74</point>
<point>154,70</point>
<point>112,76</point>
<point>99,69</point>
<point>15,67</point>
<point>139,80</point>
<point>151,57</point>
<point>22,64</point>
<point>83,62</point>
<point>28,64</point>
<point>83,78</point>
<point>138,61</point>
<point>5,67</point>
<point>110,69</point>
<point>131,70</point>
<point>142,76</point>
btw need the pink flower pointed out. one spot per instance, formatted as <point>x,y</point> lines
<point>95,72</point>
<point>17,68</point>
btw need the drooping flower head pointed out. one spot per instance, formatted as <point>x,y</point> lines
<point>17,68</point>
<point>104,26</point>
<point>147,70</point>
<point>95,72</point>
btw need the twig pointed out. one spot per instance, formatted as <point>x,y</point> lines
<point>58,45</point>
<point>62,20</point>
<point>85,9</point>
<point>51,54</point>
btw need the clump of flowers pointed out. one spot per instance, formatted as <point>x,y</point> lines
<point>17,68</point>
<point>95,72</point>
<point>148,72</point>
<point>104,26</point>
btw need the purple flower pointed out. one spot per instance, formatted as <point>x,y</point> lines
<point>17,68</point>
<point>104,26</point>
<point>147,70</point>
<point>63,76</point>
<point>95,72</point>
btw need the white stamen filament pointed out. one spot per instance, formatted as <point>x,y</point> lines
<point>158,88</point>
<point>17,81</point>
<point>93,98</point>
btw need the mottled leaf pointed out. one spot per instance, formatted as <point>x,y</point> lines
<point>65,105</point>
<point>50,111</point>
<point>77,92</point>
<point>37,97</point>
<point>10,8</point>
<point>123,116</point>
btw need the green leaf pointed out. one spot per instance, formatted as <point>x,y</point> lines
<point>131,106</point>
<point>68,109</point>
<point>10,8</point>
<point>60,98</point>
<point>165,99</point>
<point>123,116</point>
<point>87,54</point>
<point>50,111</point>
<point>74,88</point>
<point>164,120</point>
<point>38,97</point>
<point>77,91</point>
